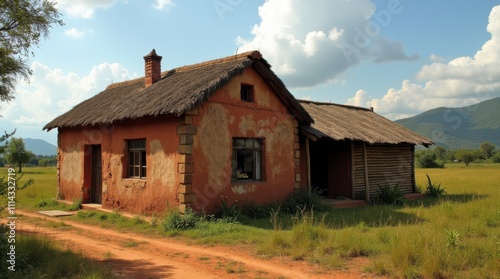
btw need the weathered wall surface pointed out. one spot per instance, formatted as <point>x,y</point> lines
<point>224,117</point>
<point>120,192</point>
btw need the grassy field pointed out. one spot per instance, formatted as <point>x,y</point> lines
<point>454,236</point>
<point>38,256</point>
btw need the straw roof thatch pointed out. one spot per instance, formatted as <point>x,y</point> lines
<point>341,122</point>
<point>179,90</point>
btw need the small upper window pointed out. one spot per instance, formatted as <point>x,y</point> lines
<point>136,158</point>
<point>246,93</point>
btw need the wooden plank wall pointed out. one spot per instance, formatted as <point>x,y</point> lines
<point>358,173</point>
<point>386,163</point>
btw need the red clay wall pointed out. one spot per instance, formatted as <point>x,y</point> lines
<point>119,192</point>
<point>225,116</point>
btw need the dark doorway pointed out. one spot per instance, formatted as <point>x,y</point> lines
<point>331,168</point>
<point>96,189</point>
<point>319,167</point>
<point>339,169</point>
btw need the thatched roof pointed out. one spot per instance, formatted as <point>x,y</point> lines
<point>341,122</point>
<point>178,91</point>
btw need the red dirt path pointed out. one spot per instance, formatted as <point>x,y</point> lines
<point>169,258</point>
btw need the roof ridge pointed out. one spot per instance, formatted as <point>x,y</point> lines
<point>253,54</point>
<point>333,104</point>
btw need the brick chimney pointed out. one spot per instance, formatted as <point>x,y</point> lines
<point>152,68</point>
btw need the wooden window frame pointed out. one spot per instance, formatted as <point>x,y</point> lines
<point>136,163</point>
<point>253,147</point>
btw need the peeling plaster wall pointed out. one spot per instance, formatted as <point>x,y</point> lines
<point>225,116</point>
<point>151,194</point>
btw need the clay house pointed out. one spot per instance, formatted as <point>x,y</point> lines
<point>186,137</point>
<point>224,128</point>
<point>348,152</point>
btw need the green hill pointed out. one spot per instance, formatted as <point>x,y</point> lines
<point>465,127</point>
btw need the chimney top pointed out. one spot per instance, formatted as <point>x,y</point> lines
<point>152,54</point>
<point>152,68</point>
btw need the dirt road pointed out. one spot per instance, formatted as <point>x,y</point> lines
<point>131,255</point>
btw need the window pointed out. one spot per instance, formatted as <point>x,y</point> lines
<point>247,159</point>
<point>246,93</point>
<point>136,158</point>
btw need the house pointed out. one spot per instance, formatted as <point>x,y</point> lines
<point>349,152</point>
<point>184,137</point>
<point>227,128</point>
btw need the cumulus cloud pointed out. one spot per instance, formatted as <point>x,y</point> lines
<point>52,92</point>
<point>163,4</point>
<point>460,82</point>
<point>84,8</point>
<point>311,44</point>
<point>436,58</point>
<point>77,33</point>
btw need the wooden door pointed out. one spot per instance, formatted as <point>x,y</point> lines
<point>96,192</point>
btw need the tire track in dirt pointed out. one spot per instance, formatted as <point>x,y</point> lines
<point>166,258</point>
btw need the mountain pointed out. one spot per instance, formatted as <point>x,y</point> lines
<point>465,127</point>
<point>40,147</point>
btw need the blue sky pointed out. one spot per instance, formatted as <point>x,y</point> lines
<point>401,57</point>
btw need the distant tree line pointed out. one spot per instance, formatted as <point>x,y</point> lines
<point>15,154</point>
<point>438,156</point>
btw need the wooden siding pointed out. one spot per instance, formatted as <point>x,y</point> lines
<point>358,173</point>
<point>386,163</point>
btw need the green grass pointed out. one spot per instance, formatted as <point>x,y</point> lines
<point>456,235</point>
<point>38,257</point>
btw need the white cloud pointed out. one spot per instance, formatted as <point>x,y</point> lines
<point>163,4</point>
<point>460,82</point>
<point>84,8</point>
<point>436,58</point>
<point>52,92</point>
<point>311,44</point>
<point>77,33</point>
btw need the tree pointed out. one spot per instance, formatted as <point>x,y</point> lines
<point>465,155</point>
<point>487,149</point>
<point>23,23</point>
<point>4,183</point>
<point>440,153</point>
<point>17,154</point>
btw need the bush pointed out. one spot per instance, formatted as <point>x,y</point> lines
<point>227,211</point>
<point>433,190</point>
<point>177,221</point>
<point>427,159</point>
<point>390,195</point>
<point>303,199</point>
<point>257,211</point>
<point>496,158</point>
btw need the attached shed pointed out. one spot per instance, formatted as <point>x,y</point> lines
<point>349,151</point>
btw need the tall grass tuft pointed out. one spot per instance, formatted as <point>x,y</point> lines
<point>390,194</point>
<point>433,189</point>
<point>76,205</point>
